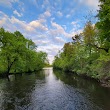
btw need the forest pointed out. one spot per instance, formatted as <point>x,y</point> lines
<point>18,54</point>
<point>89,52</point>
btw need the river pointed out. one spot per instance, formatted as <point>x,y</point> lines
<point>48,90</point>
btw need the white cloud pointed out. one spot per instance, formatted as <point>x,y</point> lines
<point>51,58</point>
<point>65,27</point>
<point>57,26</point>
<point>38,24</point>
<point>46,4</point>
<point>42,42</point>
<point>17,13</point>
<point>7,3</point>
<point>91,3</point>
<point>60,40</point>
<point>35,24</point>
<point>59,14</point>
<point>75,24</point>
<point>23,26</point>
<point>45,15</point>
<point>59,30</point>
<point>68,15</point>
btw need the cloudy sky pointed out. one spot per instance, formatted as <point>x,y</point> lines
<point>49,23</point>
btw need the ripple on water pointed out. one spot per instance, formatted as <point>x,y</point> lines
<point>44,91</point>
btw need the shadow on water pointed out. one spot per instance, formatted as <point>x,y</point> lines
<point>16,94</point>
<point>97,94</point>
<point>48,90</point>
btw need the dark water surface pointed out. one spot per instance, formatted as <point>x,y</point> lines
<point>52,91</point>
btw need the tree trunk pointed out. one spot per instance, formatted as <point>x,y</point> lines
<point>9,68</point>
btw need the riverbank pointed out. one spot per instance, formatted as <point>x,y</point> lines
<point>4,75</point>
<point>105,82</point>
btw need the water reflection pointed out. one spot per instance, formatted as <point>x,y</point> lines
<point>52,91</point>
<point>92,89</point>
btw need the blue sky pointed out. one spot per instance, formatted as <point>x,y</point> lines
<point>49,23</point>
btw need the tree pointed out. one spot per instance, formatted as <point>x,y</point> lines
<point>104,23</point>
<point>89,36</point>
<point>18,54</point>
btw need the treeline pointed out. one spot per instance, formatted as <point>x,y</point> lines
<point>89,52</point>
<point>18,54</point>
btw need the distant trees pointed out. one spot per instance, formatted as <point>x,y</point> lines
<point>89,53</point>
<point>17,54</point>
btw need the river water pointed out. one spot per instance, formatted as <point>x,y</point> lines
<point>48,90</point>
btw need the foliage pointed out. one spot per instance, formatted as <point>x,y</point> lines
<point>18,54</point>
<point>103,24</point>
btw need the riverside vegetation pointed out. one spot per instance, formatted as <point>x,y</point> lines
<point>18,54</point>
<point>89,52</point>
